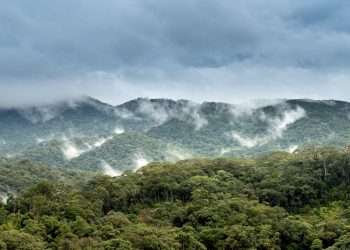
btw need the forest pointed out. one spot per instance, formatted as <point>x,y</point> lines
<point>82,135</point>
<point>175,125</point>
<point>282,200</point>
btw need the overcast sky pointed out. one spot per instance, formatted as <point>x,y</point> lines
<point>203,50</point>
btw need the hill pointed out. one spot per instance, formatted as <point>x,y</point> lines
<point>85,132</point>
<point>277,201</point>
<point>17,176</point>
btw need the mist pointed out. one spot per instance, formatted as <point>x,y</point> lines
<point>109,170</point>
<point>292,148</point>
<point>119,130</point>
<point>3,198</point>
<point>279,124</point>
<point>175,154</point>
<point>139,161</point>
<point>276,126</point>
<point>184,110</point>
<point>70,150</point>
<point>246,141</point>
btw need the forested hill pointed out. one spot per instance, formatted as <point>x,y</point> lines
<point>88,134</point>
<point>278,201</point>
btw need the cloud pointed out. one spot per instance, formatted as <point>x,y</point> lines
<point>109,170</point>
<point>174,153</point>
<point>280,124</point>
<point>3,197</point>
<point>119,130</point>
<point>276,126</point>
<point>70,150</point>
<point>247,108</point>
<point>220,50</point>
<point>162,110</point>
<point>292,148</point>
<point>140,161</point>
<point>246,141</point>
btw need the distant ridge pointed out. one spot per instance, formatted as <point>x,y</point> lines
<point>82,133</point>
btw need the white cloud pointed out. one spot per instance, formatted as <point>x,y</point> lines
<point>248,107</point>
<point>3,197</point>
<point>109,170</point>
<point>174,154</point>
<point>246,141</point>
<point>119,130</point>
<point>139,161</point>
<point>70,151</point>
<point>280,124</point>
<point>276,127</point>
<point>224,151</point>
<point>100,142</point>
<point>160,112</point>
<point>292,148</point>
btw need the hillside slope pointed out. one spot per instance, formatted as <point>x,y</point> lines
<point>84,132</point>
<point>278,201</point>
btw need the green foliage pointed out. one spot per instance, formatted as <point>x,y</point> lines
<point>17,175</point>
<point>278,201</point>
<point>16,240</point>
<point>166,130</point>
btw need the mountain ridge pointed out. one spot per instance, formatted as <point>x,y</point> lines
<point>90,129</point>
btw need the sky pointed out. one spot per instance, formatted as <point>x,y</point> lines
<point>203,50</point>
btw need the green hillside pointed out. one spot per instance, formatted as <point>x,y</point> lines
<point>278,201</point>
<point>83,133</point>
<point>17,176</point>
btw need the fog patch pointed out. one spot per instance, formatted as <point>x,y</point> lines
<point>139,161</point>
<point>174,154</point>
<point>118,130</point>
<point>276,127</point>
<point>157,112</point>
<point>292,148</point>
<point>248,108</point>
<point>46,112</point>
<point>224,151</point>
<point>280,124</point>
<point>3,197</point>
<point>40,140</point>
<point>124,114</point>
<point>49,111</point>
<point>70,151</point>
<point>245,141</point>
<point>96,104</point>
<point>182,110</point>
<point>11,156</point>
<point>194,112</point>
<point>109,170</point>
<point>45,139</point>
<point>39,114</point>
<point>100,142</point>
